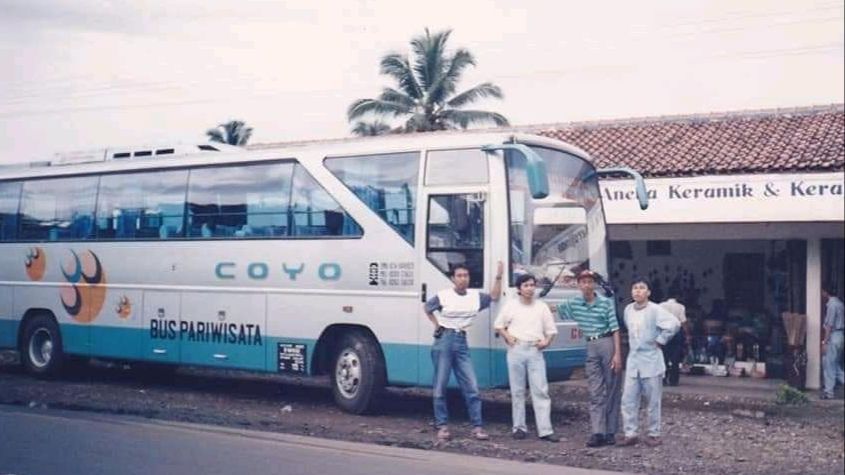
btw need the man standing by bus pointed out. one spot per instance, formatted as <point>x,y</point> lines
<point>456,308</point>
<point>528,328</point>
<point>596,318</point>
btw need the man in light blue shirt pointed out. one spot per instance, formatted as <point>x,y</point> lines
<point>649,328</point>
<point>832,341</point>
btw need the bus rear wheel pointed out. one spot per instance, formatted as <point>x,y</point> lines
<point>358,374</point>
<point>41,346</point>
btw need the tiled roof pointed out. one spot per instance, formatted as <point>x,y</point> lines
<point>776,140</point>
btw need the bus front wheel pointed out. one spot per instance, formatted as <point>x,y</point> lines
<point>358,375</point>
<point>41,346</point>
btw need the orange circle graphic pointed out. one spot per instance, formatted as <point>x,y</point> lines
<point>84,298</point>
<point>36,263</point>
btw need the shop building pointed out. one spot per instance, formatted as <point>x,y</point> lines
<point>745,222</point>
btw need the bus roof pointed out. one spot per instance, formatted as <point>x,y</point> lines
<point>112,160</point>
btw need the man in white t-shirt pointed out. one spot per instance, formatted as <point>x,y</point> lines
<point>452,312</point>
<point>528,327</point>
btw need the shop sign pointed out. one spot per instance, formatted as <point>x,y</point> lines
<point>729,198</point>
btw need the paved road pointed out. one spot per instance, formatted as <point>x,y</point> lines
<point>60,442</point>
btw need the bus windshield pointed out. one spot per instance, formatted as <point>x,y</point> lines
<point>556,237</point>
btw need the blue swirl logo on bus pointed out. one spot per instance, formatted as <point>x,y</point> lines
<point>326,271</point>
<point>85,293</point>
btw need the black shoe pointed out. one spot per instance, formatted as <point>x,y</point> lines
<point>609,439</point>
<point>519,434</point>
<point>550,438</point>
<point>596,440</point>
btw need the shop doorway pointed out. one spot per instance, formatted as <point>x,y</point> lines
<point>735,292</point>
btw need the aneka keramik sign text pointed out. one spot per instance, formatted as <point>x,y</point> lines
<point>730,198</point>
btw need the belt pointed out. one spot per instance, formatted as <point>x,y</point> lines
<point>454,330</point>
<point>599,337</point>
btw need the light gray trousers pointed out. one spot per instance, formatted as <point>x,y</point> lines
<point>526,364</point>
<point>605,387</point>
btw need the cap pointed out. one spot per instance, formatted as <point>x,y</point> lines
<point>587,273</point>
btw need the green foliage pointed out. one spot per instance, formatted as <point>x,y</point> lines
<point>425,98</point>
<point>234,132</point>
<point>787,395</point>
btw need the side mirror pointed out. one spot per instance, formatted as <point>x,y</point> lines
<point>639,183</point>
<point>535,169</point>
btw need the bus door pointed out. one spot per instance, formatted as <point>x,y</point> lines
<point>224,329</point>
<point>161,321</point>
<point>455,212</point>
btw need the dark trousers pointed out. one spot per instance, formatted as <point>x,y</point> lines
<point>673,353</point>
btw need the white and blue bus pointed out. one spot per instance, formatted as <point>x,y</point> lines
<point>307,259</point>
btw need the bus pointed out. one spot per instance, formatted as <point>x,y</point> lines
<point>303,259</point>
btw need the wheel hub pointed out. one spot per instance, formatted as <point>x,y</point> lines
<point>41,348</point>
<point>348,373</point>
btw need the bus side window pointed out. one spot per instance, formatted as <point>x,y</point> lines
<point>236,202</point>
<point>386,183</point>
<point>58,209</point>
<point>274,200</point>
<point>144,205</point>
<point>455,234</point>
<point>10,193</point>
<point>315,212</point>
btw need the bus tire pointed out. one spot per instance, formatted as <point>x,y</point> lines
<point>357,373</point>
<point>41,348</point>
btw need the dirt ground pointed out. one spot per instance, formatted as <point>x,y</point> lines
<point>702,434</point>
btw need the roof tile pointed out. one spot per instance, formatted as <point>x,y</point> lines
<point>807,139</point>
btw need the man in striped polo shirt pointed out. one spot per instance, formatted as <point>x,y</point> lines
<point>596,318</point>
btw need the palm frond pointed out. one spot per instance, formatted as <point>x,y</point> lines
<point>465,118</point>
<point>364,129</point>
<point>430,57</point>
<point>478,92</point>
<point>448,81</point>
<point>363,107</point>
<point>245,133</point>
<point>398,67</point>
<point>214,135</point>
<point>392,95</point>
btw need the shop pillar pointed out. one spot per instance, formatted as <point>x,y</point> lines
<point>814,313</point>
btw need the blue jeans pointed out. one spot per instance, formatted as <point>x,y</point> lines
<point>831,363</point>
<point>652,389</point>
<point>524,359</point>
<point>450,352</point>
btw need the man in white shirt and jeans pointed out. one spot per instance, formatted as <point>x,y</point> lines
<point>528,328</point>
<point>452,311</point>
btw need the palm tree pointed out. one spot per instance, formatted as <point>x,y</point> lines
<point>426,98</point>
<point>234,132</point>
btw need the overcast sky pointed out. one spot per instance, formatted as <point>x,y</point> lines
<point>87,74</point>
